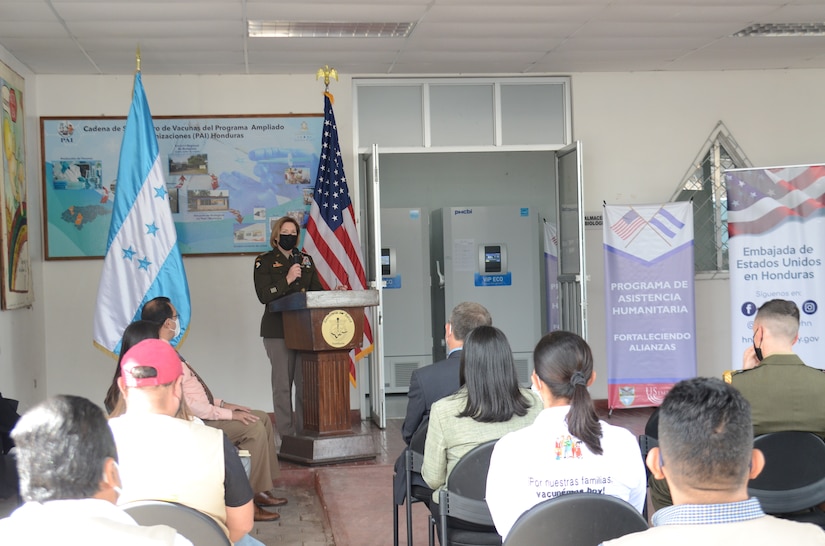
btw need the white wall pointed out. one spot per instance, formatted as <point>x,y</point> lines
<point>640,132</point>
<point>22,353</point>
<point>224,342</point>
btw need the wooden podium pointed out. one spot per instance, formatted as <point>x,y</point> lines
<point>324,326</point>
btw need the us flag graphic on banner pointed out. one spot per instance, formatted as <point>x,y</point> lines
<point>628,225</point>
<point>331,236</point>
<point>759,200</point>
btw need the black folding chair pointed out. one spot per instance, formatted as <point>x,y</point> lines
<point>583,519</point>
<point>792,483</point>
<point>413,459</point>
<point>198,527</point>
<point>463,500</point>
<point>646,443</point>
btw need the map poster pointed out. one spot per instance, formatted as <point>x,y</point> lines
<point>228,177</point>
<point>16,263</point>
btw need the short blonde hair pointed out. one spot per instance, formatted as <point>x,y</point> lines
<point>276,229</point>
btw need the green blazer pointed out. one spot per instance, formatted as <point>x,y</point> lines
<point>450,437</point>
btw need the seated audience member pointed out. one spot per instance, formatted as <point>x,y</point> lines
<point>134,333</point>
<point>488,405</point>
<point>166,458</point>
<point>706,456</point>
<point>432,383</point>
<point>567,449</point>
<point>246,428</point>
<point>784,393</point>
<point>67,462</point>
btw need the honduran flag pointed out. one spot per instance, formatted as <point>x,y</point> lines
<point>142,260</point>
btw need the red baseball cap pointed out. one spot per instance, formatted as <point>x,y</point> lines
<point>151,353</point>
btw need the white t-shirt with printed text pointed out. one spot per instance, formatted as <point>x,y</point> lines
<point>543,461</point>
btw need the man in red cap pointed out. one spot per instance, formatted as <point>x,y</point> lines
<point>166,458</point>
<point>246,428</point>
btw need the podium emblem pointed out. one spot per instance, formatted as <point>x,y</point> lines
<point>338,328</point>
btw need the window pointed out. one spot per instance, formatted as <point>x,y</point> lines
<point>704,185</point>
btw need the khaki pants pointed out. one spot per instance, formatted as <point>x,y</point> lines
<point>286,371</point>
<point>259,439</point>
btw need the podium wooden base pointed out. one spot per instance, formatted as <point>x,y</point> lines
<point>320,450</point>
<point>324,325</point>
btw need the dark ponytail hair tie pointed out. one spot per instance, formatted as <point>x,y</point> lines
<point>577,379</point>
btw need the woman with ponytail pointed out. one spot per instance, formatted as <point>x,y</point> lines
<point>568,449</point>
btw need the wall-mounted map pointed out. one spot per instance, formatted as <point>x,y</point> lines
<point>228,178</point>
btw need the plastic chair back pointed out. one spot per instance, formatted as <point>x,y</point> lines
<point>464,498</point>
<point>583,519</point>
<point>794,475</point>
<point>199,528</point>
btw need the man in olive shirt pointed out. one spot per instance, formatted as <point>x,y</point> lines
<point>783,392</point>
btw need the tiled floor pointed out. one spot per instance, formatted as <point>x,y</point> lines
<point>357,497</point>
<point>350,504</point>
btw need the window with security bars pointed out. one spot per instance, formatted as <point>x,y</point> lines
<point>704,185</point>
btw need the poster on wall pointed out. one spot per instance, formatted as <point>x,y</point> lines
<point>16,264</point>
<point>776,247</point>
<point>229,178</point>
<point>650,310</point>
<point>551,277</point>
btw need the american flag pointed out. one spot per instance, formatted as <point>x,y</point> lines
<point>761,199</point>
<point>331,237</point>
<point>628,225</point>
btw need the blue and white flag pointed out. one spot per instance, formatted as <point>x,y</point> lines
<point>142,260</point>
<point>666,223</point>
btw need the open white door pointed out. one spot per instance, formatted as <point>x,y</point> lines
<point>570,214</point>
<point>378,412</point>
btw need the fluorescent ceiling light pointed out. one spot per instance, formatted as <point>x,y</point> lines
<point>782,29</point>
<point>306,29</point>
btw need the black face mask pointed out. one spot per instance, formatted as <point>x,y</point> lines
<point>287,242</point>
<point>757,350</point>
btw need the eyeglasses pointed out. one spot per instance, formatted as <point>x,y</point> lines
<point>174,316</point>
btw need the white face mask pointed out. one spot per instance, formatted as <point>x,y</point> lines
<point>177,328</point>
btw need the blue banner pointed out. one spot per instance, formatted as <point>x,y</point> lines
<point>651,327</point>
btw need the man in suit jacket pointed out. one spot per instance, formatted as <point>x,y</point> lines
<point>432,383</point>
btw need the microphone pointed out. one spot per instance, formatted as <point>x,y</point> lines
<point>297,257</point>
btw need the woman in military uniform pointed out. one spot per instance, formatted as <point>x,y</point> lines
<point>282,271</point>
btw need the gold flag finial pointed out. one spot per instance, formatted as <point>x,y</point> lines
<point>327,73</point>
<point>137,58</point>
